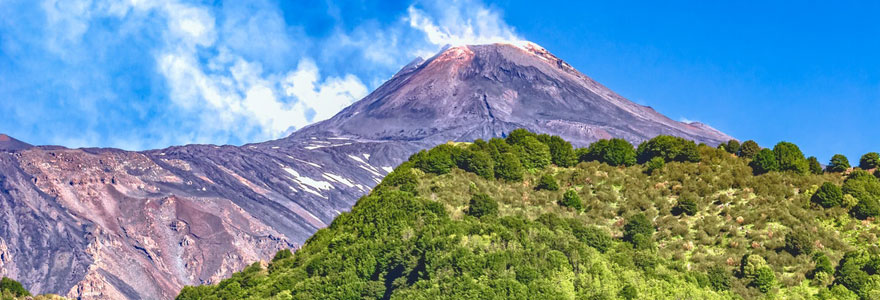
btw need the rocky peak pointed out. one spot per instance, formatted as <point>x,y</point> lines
<point>8,143</point>
<point>474,91</point>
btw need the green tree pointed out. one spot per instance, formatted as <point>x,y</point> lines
<point>13,287</point>
<point>815,166</point>
<point>509,168</point>
<point>719,278</point>
<point>685,205</point>
<point>790,158</point>
<point>571,199</point>
<point>533,153</point>
<point>519,135</point>
<point>764,162</point>
<point>615,152</point>
<point>438,160</point>
<point>732,146</point>
<point>838,163</point>
<point>629,292</point>
<point>823,264</point>
<point>749,149</point>
<point>482,205</point>
<point>799,242</point>
<point>638,231</point>
<point>561,152</point>
<point>654,164</point>
<point>750,264</point>
<point>869,161</point>
<point>764,280</point>
<point>828,195</point>
<point>477,162</point>
<point>547,182</point>
<point>669,148</point>
<point>593,236</point>
<point>850,273</point>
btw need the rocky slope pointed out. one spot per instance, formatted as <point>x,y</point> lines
<point>113,224</point>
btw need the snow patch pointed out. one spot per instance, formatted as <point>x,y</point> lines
<point>337,178</point>
<point>388,169</point>
<point>302,180</point>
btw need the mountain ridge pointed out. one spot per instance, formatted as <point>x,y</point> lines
<point>193,214</point>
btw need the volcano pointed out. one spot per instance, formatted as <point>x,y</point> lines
<point>106,223</point>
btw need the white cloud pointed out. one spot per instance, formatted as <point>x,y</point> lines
<point>239,73</point>
<point>463,23</point>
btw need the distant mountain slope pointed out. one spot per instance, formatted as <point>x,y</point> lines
<point>10,144</point>
<point>127,225</point>
<point>470,92</point>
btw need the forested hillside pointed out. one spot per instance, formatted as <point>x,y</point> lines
<point>13,290</point>
<point>529,217</point>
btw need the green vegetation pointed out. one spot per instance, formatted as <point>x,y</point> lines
<point>870,160</point>
<point>547,182</point>
<point>13,290</point>
<point>828,195</point>
<point>838,163</point>
<point>699,226</point>
<point>765,161</point>
<point>615,152</point>
<point>482,205</point>
<point>815,166</point>
<point>790,158</point>
<point>749,149</point>
<point>732,146</point>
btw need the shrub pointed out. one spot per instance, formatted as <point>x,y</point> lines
<point>828,195</point>
<point>823,264</point>
<point>719,278</point>
<point>629,292</point>
<point>533,153</point>
<point>838,163</point>
<point>790,158</point>
<point>669,148</point>
<point>815,166</point>
<point>518,136</point>
<point>482,205</point>
<point>867,208</point>
<point>13,287</point>
<point>561,152</point>
<point>547,182</point>
<point>732,146</point>
<point>764,279</point>
<point>477,162</point>
<point>402,177</point>
<point>749,149</point>
<point>638,230</point>
<point>654,164</point>
<point>764,162</point>
<point>593,236</point>
<point>509,168</point>
<point>685,205</point>
<point>799,242</point>
<point>849,273</point>
<point>869,161</point>
<point>749,264</point>
<point>571,199</point>
<point>283,254</point>
<point>615,152</point>
<point>438,160</point>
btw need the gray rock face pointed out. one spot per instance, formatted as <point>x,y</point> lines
<point>113,224</point>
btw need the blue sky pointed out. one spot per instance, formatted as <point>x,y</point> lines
<point>150,74</point>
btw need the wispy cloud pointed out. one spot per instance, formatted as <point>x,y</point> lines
<point>143,74</point>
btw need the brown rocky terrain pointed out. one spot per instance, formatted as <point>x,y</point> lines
<point>113,224</point>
